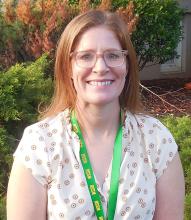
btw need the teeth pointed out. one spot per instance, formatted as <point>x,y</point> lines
<point>105,83</point>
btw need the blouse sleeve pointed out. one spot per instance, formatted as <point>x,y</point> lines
<point>33,154</point>
<point>161,146</point>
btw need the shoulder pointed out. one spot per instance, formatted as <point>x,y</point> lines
<point>146,124</point>
<point>156,140</point>
<point>50,125</point>
<point>41,146</point>
<point>45,136</point>
<point>150,129</point>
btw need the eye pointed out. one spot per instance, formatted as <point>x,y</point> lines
<point>113,55</point>
<point>85,56</point>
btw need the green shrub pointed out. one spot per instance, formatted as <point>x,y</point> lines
<point>22,88</point>
<point>2,208</point>
<point>5,159</point>
<point>155,39</point>
<point>187,215</point>
<point>5,164</point>
<point>181,130</point>
<point>158,30</point>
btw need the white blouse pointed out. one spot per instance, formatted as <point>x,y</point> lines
<point>50,150</point>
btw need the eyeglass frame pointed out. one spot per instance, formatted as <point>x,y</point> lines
<point>124,52</point>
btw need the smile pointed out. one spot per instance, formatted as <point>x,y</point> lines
<point>98,83</point>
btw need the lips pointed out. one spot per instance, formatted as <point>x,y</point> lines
<point>100,83</point>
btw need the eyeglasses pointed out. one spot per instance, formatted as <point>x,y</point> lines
<point>112,58</point>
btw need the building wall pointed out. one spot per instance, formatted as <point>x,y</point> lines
<point>155,72</point>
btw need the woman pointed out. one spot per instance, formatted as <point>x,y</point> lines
<point>95,155</point>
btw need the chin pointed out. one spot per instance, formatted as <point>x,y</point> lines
<point>104,101</point>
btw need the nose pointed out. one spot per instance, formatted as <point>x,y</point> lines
<point>100,65</point>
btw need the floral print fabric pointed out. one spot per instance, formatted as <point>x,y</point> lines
<point>50,150</point>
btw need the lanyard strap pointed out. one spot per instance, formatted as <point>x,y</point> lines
<point>88,171</point>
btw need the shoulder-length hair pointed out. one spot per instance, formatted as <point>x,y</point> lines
<point>65,94</point>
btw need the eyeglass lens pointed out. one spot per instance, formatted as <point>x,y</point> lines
<point>87,59</point>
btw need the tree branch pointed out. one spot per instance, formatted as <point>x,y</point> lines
<point>144,87</point>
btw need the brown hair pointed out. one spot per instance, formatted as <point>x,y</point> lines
<point>65,94</point>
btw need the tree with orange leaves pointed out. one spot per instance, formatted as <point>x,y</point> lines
<point>36,26</point>
<point>41,22</point>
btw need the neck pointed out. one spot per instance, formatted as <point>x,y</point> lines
<point>98,121</point>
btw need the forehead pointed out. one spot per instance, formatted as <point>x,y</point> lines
<point>98,38</point>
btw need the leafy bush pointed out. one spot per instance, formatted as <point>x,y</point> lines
<point>187,215</point>
<point>11,40</point>
<point>22,88</point>
<point>158,30</point>
<point>2,208</point>
<point>180,128</point>
<point>5,159</point>
<point>31,28</point>
<point>5,164</point>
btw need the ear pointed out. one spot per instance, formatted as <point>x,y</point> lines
<point>126,74</point>
<point>127,68</point>
<point>71,72</point>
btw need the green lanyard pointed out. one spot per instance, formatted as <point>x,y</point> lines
<point>88,171</point>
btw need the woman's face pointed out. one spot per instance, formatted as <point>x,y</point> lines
<point>99,84</point>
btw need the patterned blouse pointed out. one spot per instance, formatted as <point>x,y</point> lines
<point>50,150</point>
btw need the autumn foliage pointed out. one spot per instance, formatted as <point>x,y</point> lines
<point>42,22</point>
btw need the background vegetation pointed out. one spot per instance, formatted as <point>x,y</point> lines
<point>29,32</point>
<point>22,88</point>
<point>180,128</point>
<point>30,28</point>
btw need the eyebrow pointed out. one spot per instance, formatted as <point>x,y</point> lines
<point>109,49</point>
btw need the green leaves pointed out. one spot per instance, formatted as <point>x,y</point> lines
<point>187,215</point>
<point>158,31</point>
<point>155,39</point>
<point>5,160</point>
<point>180,128</point>
<point>22,88</point>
